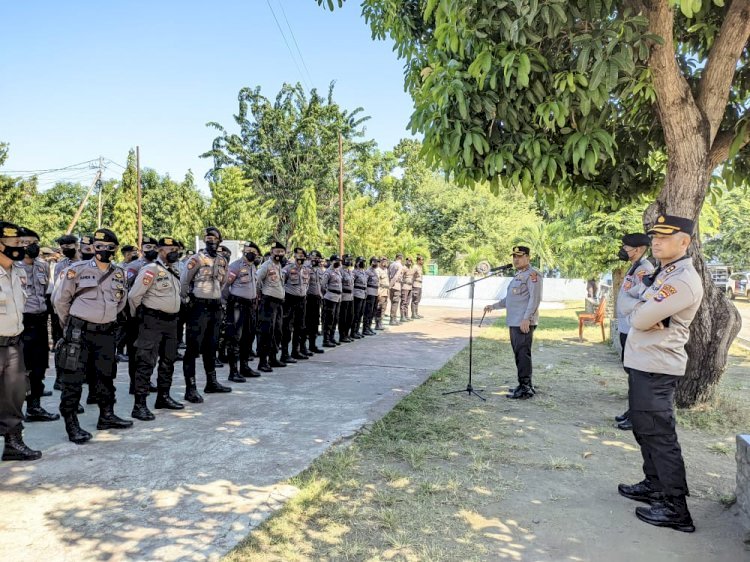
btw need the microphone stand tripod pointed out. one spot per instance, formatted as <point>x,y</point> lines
<point>470,390</point>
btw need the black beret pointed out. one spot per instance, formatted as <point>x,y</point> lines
<point>300,249</point>
<point>636,239</point>
<point>213,231</point>
<point>254,246</point>
<point>520,251</point>
<point>105,235</point>
<point>67,239</point>
<point>334,257</point>
<point>671,224</point>
<point>315,254</point>
<point>9,230</point>
<point>150,240</point>
<point>127,248</point>
<point>28,233</point>
<point>87,239</point>
<point>278,246</point>
<point>167,241</point>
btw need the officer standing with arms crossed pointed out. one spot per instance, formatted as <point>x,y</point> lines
<point>35,334</point>
<point>155,300</point>
<point>522,305</point>
<point>313,302</point>
<point>201,283</point>
<point>655,357</point>
<point>91,294</point>
<point>633,250</point>
<point>271,287</point>
<point>12,371</point>
<point>241,295</point>
<point>416,288</point>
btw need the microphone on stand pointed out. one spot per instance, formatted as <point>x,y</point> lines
<point>505,267</point>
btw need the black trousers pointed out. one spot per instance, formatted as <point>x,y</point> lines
<point>121,330</point>
<point>36,350</point>
<point>132,327</point>
<point>359,313</point>
<point>241,325</point>
<point>651,398</point>
<point>521,344</point>
<point>181,321</point>
<point>330,319</point>
<point>202,336</point>
<point>371,305</point>
<point>623,340</point>
<point>270,322</point>
<point>346,318</point>
<point>96,365</point>
<point>157,341</point>
<point>312,318</point>
<point>293,326</point>
<point>12,387</point>
<point>56,329</point>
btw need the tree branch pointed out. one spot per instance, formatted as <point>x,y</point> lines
<point>716,81</point>
<point>720,148</point>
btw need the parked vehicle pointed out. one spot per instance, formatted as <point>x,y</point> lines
<point>739,285</point>
<point>720,276</point>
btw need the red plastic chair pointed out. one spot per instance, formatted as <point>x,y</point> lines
<point>595,318</point>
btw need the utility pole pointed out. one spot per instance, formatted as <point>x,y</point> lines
<point>99,212</point>
<point>77,216</point>
<point>138,184</point>
<point>341,196</point>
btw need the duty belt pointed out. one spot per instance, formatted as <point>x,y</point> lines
<point>346,291</point>
<point>160,314</point>
<point>91,326</point>
<point>334,291</point>
<point>214,302</point>
<point>241,300</point>
<point>10,341</point>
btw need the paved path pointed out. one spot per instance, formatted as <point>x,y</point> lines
<point>191,484</point>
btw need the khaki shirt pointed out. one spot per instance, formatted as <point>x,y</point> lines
<point>241,280</point>
<point>81,295</point>
<point>331,284</point>
<point>347,285</point>
<point>395,274</point>
<point>630,292</point>
<point>296,279</point>
<point>417,283</point>
<point>37,283</point>
<point>360,283</point>
<point>676,294</point>
<point>523,298</point>
<point>314,280</point>
<point>384,284</point>
<point>269,279</point>
<point>156,287</point>
<point>203,276</point>
<point>373,281</point>
<point>12,300</point>
<point>407,278</point>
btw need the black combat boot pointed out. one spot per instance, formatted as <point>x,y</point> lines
<point>109,420</point>
<point>644,491</point>
<point>625,425</point>
<point>165,402</point>
<point>191,392</point>
<point>356,335</point>
<point>16,450</point>
<point>213,386</point>
<point>369,332</point>
<point>58,384</point>
<point>74,431</point>
<point>263,364</point>
<point>247,371</point>
<point>328,343</point>
<point>522,392</point>
<point>623,417</point>
<point>303,349</point>
<point>276,362</point>
<point>79,409</point>
<point>234,374</point>
<point>285,357</point>
<point>35,412</point>
<point>140,409</point>
<point>314,347</point>
<point>672,512</point>
<point>152,388</point>
<point>297,354</point>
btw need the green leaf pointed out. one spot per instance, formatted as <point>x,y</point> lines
<point>738,141</point>
<point>524,67</point>
<point>597,74</point>
<point>686,7</point>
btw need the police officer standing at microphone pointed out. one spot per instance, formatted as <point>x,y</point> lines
<point>522,305</point>
<point>655,357</point>
<point>155,300</point>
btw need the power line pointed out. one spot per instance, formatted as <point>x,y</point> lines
<point>283,13</point>
<point>49,170</point>
<point>283,36</point>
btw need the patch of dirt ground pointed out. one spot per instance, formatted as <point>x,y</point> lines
<point>456,478</point>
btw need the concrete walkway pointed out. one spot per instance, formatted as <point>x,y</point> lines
<point>191,484</point>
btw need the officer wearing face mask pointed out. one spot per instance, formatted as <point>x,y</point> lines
<point>35,334</point>
<point>384,290</point>
<point>406,282</point>
<point>201,283</point>
<point>296,278</point>
<point>223,342</point>
<point>155,300</point>
<point>12,371</point>
<point>129,254</point>
<point>346,311</point>
<point>90,296</point>
<point>69,250</point>
<point>241,295</point>
<point>416,287</point>
<point>313,303</point>
<point>87,249</point>
<point>371,301</point>
<point>271,286</point>
<point>360,294</point>
<point>331,288</point>
<point>395,276</point>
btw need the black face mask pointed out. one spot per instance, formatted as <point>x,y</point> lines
<point>623,255</point>
<point>257,261</point>
<point>211,248</point>
<point>300,261</point>
<point>251,256</point>
<point>315,263</point>
<point>336,264</point>
<point>150,255</point>
<point>105,256</point>
<point>284,261</point>
<point>133,258</point>
<point>278,258</point>
<point>16,253</point>
<point>69,253</point>
<point>32,250</point>
<point>172,257</point>
<point>87,255</point>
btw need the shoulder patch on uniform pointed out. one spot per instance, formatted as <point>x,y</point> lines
<point>534,276</point>
<point>640,273</point>
<point>71,274</point>
<point>670,269</point>
<point>148,276</point>
<point>118,274</point>
<point>665,292</point>
<point>191,264</point>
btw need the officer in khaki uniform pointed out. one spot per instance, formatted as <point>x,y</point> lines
<point>371,296</point>
<point>633,250</point>
<point>202,281</point>
<point>312,304</point>
<point>416,288</point>
<point>346,310</point>
<point>271,287</point>
<point>69,249</point>
<point>35,333</point>
<point>407,279</point>
<point>89,297</point>
<point>384,290</point>
<point>395,275</point>
<point>12,370</point>
<point>241,295</point>
<point>360,296</point>
<point>296,278</point>
<point>522,316</point>
<point>331,289</point>
<point>155,302</point>
<point>655,357</point>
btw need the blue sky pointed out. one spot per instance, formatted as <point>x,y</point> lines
<point>82,79</point>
